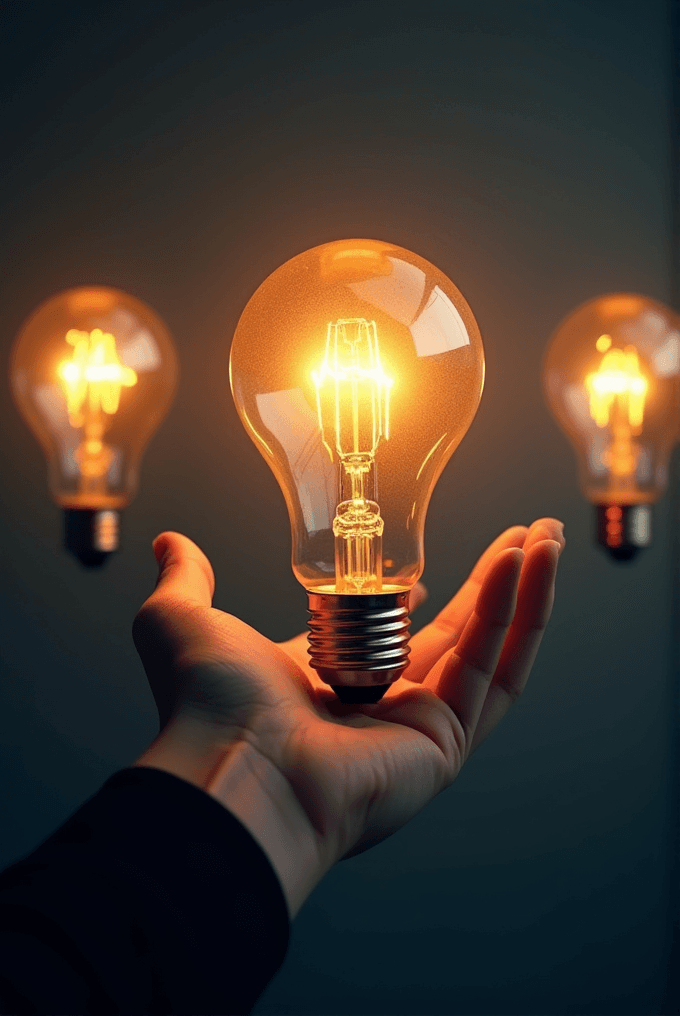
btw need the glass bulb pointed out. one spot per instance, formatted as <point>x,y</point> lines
<point>611,380</point>
<point>93,371</point>
<point>356,368</point>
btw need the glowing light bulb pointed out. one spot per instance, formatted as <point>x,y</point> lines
<point>611,377</point>
<point>356,368</point>
<point>93,372</point>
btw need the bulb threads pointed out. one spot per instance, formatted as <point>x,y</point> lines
<point>91,534</point>
<point>623,529</point>
<point>358,643</point>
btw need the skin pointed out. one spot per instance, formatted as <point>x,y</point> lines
<point>249,722</point>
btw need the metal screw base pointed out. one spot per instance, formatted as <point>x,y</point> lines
<point>624,529</point>
<point>91,534</point>
<point>359,644</point>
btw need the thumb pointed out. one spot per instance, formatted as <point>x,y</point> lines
<point>184,572</point>
<point>163,627</point>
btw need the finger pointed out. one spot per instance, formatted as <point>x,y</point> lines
<point>184,571</point>
<point>417,596</point>
<point>160,630</point>
<point>545,529</point>
<point>464,681</point>
<point>429,644</point>
<point>534,606</point>
<point>163,626</point>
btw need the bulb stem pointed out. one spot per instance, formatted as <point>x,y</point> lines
<point>623,529</point>
<point>358,643</point>
<point>91,534</point>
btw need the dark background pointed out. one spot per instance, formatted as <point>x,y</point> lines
<point>182,151</point>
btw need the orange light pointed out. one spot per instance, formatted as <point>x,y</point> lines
<point>359,389</point>
<point>618,382</point>
<point>357,368</point>
<point>611,377</point>
<point>72,360</point>
<point>95,373</point>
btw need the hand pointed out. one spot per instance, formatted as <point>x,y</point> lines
<point>314,780</point>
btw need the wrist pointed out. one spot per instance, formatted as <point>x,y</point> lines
<point>252,788</point>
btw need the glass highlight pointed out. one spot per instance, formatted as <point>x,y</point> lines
<point>356,368</point>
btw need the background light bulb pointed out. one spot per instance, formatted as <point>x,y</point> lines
<point>93,372</point>
<point>356,368</point>
<point>611,379</point>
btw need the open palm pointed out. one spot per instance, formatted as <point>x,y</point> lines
<point>358,772</point>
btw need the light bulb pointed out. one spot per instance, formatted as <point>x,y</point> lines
<point>356,368</point>
<point>93,371</point>
<point>611,379</point>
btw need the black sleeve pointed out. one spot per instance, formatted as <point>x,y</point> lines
<point>152,898</point>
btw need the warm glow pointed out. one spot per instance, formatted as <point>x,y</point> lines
<point>68,373</point>
<point>353,401</point>
<point>618,388</point>
<point>356,368</point>
<point>614,526</point>
<point>611,376</point>
<point>359,389</point>
<point>94,374</point>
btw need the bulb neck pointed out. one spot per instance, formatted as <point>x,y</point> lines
<point>91,534</point>
<point>623,529</point>
<point>359,644</point>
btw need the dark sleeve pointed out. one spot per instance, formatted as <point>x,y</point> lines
<point>152,898</point>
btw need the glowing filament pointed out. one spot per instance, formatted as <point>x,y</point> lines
<point>94,375</point>
<point>359,388</point>
<point>618,388</point>
<point>354,414</point>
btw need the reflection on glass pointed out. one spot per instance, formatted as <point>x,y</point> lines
<point>357,368</point>
<point>293,423</point>
<point>439,327</point>
<point>398,291</point>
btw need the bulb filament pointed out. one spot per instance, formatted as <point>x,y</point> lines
<point>94,373</point>
<point>353,404</point>
<point>91,381</point>
<point>617,391</point>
